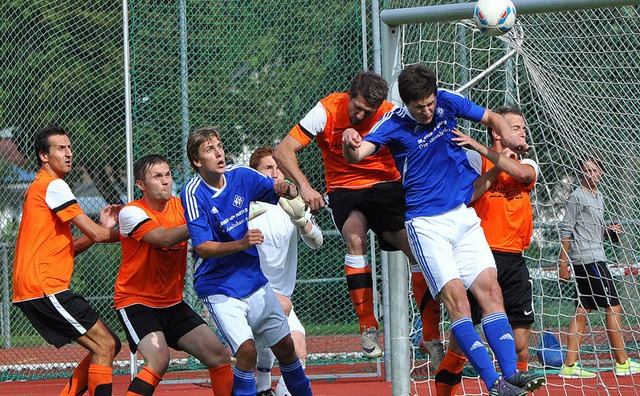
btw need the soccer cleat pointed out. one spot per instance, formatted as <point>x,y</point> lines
<point>575,371</point>
<point>629,367</point>
<point>527,381</point>
<point>502,387</point>
<point>370,340</point>
<point>435,350</point>
<point>266,392</point>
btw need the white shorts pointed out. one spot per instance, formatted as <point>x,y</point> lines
<point>294,322</point>
<point>257,317</point>
<point>449,246</point>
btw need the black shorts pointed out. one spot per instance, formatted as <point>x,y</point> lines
<point>595,285</point>
<point>60,318</point>
<point>383,205</point>
<point>517,290</point>
<point>175,321</point>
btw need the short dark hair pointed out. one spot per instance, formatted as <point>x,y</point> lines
<point>41,143</point>
<point>371,86</point>
<point>584,158</point>
<point>504,110</point>
<point>259,154</point>
<point>416,82</point>
<point>142,165</point>
<point>195,140</point>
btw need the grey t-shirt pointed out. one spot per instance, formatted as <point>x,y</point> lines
<point>583,223</point>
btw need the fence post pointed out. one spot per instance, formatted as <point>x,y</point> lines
<point>6,318</point>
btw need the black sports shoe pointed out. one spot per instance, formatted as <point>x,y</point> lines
<point>502,387</point>
<point>527,381</point>
<point>266,392</point>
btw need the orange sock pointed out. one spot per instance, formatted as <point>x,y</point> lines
<point>449,374</point>
<point>429,307</point>
<point>78,382</point>
<point>522,366</point>
<point>100,380</point>
<point>360,289</point>
<point>144,383</point>
<point>221,380</point>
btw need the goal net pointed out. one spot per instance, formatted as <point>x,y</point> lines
<point>576,75</point>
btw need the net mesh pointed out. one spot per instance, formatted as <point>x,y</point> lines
<point>575,76</point>
<point>253,68</point>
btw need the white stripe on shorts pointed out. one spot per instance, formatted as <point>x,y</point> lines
<point>129,326</point>
<point>65,314</point>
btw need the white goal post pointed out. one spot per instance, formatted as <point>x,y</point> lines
<point>393,61</point>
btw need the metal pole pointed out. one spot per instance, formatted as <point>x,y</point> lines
<point>384,270</point>
<point>133,366</point>
<point>398,324</point>
<point>127,100</point>
<point>184,81</point>
<point>6,318</point>
<point>375,34</point>
<point>454,12</point>
<point>363,22</point>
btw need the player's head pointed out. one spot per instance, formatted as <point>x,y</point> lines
<point>262,161</point>
<point>417,88</point>
<point>153,177</point>
<point>53,149</point>
<point>367,91</point>
<point>518,136</point>
<point>592,170</point>
<point>205,151</point>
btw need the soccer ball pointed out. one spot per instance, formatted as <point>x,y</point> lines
<point>494,17</point>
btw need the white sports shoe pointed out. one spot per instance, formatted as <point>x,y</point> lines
<point>370,340</point>
<point>435,350</point>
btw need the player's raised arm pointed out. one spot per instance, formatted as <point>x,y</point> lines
<point>520,172</point>
<point>354,148</point>
<point>285,157</point>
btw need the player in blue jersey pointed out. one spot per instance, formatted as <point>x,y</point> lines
<point>444,234</point>
<point>227,277</point>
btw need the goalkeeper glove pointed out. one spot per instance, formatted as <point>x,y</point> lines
<point>296,209</point>
<point>255,210</point>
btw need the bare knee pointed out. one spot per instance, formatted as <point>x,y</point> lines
<point>246,356</point>
<point>285,350</point>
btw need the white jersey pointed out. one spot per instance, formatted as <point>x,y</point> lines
<point>279,251</point>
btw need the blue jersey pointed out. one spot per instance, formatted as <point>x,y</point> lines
<point>436,174</point>
<point>222,215</point>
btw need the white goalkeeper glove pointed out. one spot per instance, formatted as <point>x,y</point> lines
<point>255,210</point>
<point>296,209</point>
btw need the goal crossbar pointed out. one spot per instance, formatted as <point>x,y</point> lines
<point>456,11</point>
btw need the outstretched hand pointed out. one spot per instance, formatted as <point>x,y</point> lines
<point>465,141</point>
<point>296,209</point>
<point>351,138</point>
<point>109,215</point>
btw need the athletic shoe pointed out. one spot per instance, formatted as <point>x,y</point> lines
<point>435,350</point>
<point>266,392</point>
<point>502,387</point>
<point>370,340</point>
<point>575,371</point>
<point>527,381</point>
<point>627,368</point>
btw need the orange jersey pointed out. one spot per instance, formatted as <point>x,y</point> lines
<point>150,275</point>
<point>505,212</point>
<point>325,123</point>
<point>43,261</point>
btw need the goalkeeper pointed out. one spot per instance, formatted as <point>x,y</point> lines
<point>279,260</point>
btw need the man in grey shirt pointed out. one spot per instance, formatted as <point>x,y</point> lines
<point>582,231</point>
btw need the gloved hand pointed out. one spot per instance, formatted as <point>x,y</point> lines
<point>255,210</point>
<point>296,209</point>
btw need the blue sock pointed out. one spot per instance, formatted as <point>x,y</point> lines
<point>472,346</point>
<point>244,383</point>
<point>499,335</point>
<point>295,379</point>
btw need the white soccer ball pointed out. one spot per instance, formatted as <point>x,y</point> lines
<point>494,17</point>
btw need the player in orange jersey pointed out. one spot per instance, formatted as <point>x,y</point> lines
<point>363,196</point>
<point>43,265</point>
<point>148,291</point>
<point>506,218</point>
